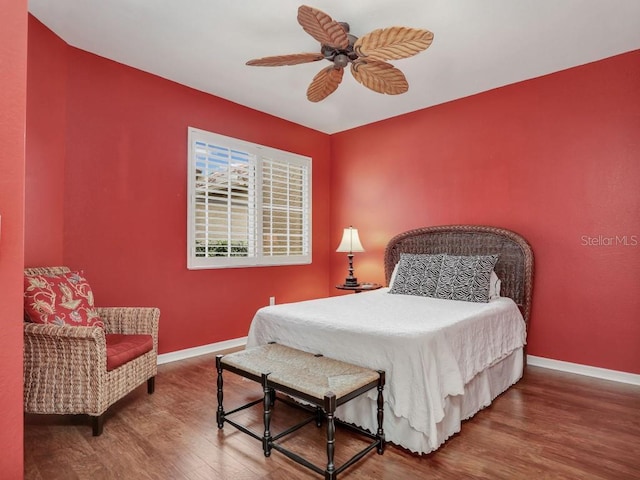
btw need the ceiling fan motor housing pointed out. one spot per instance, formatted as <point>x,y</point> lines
<point>341,56</point>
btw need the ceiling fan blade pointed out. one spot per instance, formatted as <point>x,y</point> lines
<point>280,60</point>
<point>379,76</point>
<point>322,27</point>
<point>324,83</point>
<point>393,43</point>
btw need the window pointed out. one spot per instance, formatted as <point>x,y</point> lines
<point>248,205</point>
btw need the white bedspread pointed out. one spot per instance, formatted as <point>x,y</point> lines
<point>429,348</point>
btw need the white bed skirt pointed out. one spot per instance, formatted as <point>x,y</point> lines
<point>478,394</point>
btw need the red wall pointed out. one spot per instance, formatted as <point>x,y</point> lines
<point>554,158</point>
<point>46,133</point>
<point>125,201</point>
<point>13,91</point>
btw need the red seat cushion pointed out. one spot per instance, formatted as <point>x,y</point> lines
<point>123,348</point>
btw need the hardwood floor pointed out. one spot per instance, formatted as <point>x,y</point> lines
<point>550,425</point>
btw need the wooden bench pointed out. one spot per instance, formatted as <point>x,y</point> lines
<point>322,383</point>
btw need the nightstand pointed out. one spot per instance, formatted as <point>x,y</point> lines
<point>362,287</point>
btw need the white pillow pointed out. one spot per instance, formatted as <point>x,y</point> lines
<point>494,286</point>
<point>393,275</point>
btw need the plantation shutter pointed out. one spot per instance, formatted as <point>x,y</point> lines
<point>284,206</point>
<point>249,205</point>
<point>224,202</point>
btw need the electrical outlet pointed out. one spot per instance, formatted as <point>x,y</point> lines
<point>272,300</point>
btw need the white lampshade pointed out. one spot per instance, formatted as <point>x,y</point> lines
<point>350,241</point>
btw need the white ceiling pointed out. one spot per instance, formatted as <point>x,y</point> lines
<point>478,45</point>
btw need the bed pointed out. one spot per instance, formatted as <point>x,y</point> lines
<point>444,359</point>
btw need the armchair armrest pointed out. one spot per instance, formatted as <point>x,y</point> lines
<point>131,320</point>
<point>56,356</point>
<point>64,337</point>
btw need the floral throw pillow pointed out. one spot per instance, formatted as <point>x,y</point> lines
<point>64,299</point>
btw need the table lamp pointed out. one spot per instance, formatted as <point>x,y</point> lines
<point>350,243</point>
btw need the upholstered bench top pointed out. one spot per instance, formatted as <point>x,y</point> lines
<point>302,371</point>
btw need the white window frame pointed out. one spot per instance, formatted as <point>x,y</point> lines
<point>259,155</point>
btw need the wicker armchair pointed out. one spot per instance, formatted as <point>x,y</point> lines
<point>65,367</point>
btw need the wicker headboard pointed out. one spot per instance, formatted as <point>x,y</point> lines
<point>515,257</point>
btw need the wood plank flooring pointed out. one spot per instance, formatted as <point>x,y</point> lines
<point>550,425</point>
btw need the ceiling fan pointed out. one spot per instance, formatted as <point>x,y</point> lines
<point>367,54</point>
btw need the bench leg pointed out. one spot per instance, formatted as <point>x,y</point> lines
<point>272,396</point>
<point>380,432</point>
<point>268,393</point>
<point>330,408</point>
<point>220,411</point>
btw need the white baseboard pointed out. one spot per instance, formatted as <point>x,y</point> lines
<point>603,373</point>
<point>202,350</point>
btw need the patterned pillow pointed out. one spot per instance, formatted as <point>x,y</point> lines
<point>466,278</point>
<point>417,274</point>
<point>64,299</point>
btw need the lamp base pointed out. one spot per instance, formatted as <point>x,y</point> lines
<point>351,282</point>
